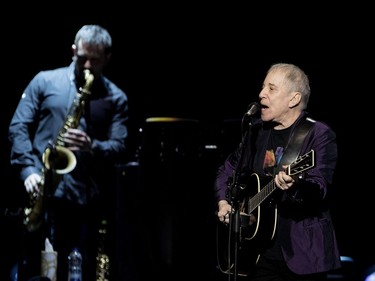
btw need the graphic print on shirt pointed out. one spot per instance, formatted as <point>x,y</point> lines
<point>271,160</point>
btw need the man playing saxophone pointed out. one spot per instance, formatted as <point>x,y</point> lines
<point>63,113</point>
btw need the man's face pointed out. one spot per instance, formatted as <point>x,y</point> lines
<point>90,57</point>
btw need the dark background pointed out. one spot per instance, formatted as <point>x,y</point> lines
<point>208,62</point>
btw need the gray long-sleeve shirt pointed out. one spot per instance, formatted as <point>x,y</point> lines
<point>40,115</point>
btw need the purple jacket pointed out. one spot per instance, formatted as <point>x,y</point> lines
<point>308,239</point>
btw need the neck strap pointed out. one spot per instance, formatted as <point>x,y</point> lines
<point>298,135</point>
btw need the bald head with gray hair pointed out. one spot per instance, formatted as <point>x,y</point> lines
<point>296,80</point>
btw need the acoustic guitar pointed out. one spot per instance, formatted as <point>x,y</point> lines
<point>258,220</point>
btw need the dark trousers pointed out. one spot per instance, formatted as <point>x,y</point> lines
<point>75,226</point>
<point>68,226</point>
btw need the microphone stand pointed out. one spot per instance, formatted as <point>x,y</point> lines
<point>237,195</point>
<point>235,221</point>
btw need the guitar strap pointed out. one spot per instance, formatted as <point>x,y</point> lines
<point>293,149</point>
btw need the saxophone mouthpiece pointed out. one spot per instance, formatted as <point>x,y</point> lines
<point>89,79</point>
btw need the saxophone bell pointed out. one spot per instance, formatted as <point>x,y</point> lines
<point>60,159</point>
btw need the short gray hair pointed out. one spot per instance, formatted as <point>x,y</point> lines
<point>94,35</point>
<point>296,78</point>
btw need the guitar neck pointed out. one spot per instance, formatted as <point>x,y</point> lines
<point>262,195</point>
<point>303,163</point>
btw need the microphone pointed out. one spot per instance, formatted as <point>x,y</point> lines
<point>252,109</point>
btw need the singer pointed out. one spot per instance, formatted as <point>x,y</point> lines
<point>290,235</point>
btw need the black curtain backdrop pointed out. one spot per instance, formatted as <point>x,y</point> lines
<point>207,63</point>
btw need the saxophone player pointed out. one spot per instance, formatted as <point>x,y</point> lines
<point>94,135</point>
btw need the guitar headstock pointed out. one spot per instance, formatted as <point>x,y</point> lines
<point>302,163</point>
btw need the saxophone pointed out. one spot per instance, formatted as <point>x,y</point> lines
<point>102,257</point>
<point>57,159</point>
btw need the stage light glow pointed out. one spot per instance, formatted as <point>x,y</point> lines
<point>370,274</point>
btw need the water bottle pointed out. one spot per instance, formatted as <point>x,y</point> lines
<point>75,265</point>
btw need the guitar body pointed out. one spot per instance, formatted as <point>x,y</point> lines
<point>258,223</point>
<point>238,250</point>
<point>257,228</point>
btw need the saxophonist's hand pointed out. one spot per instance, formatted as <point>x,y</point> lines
<point>32,183</point>
<point>76,139</point>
